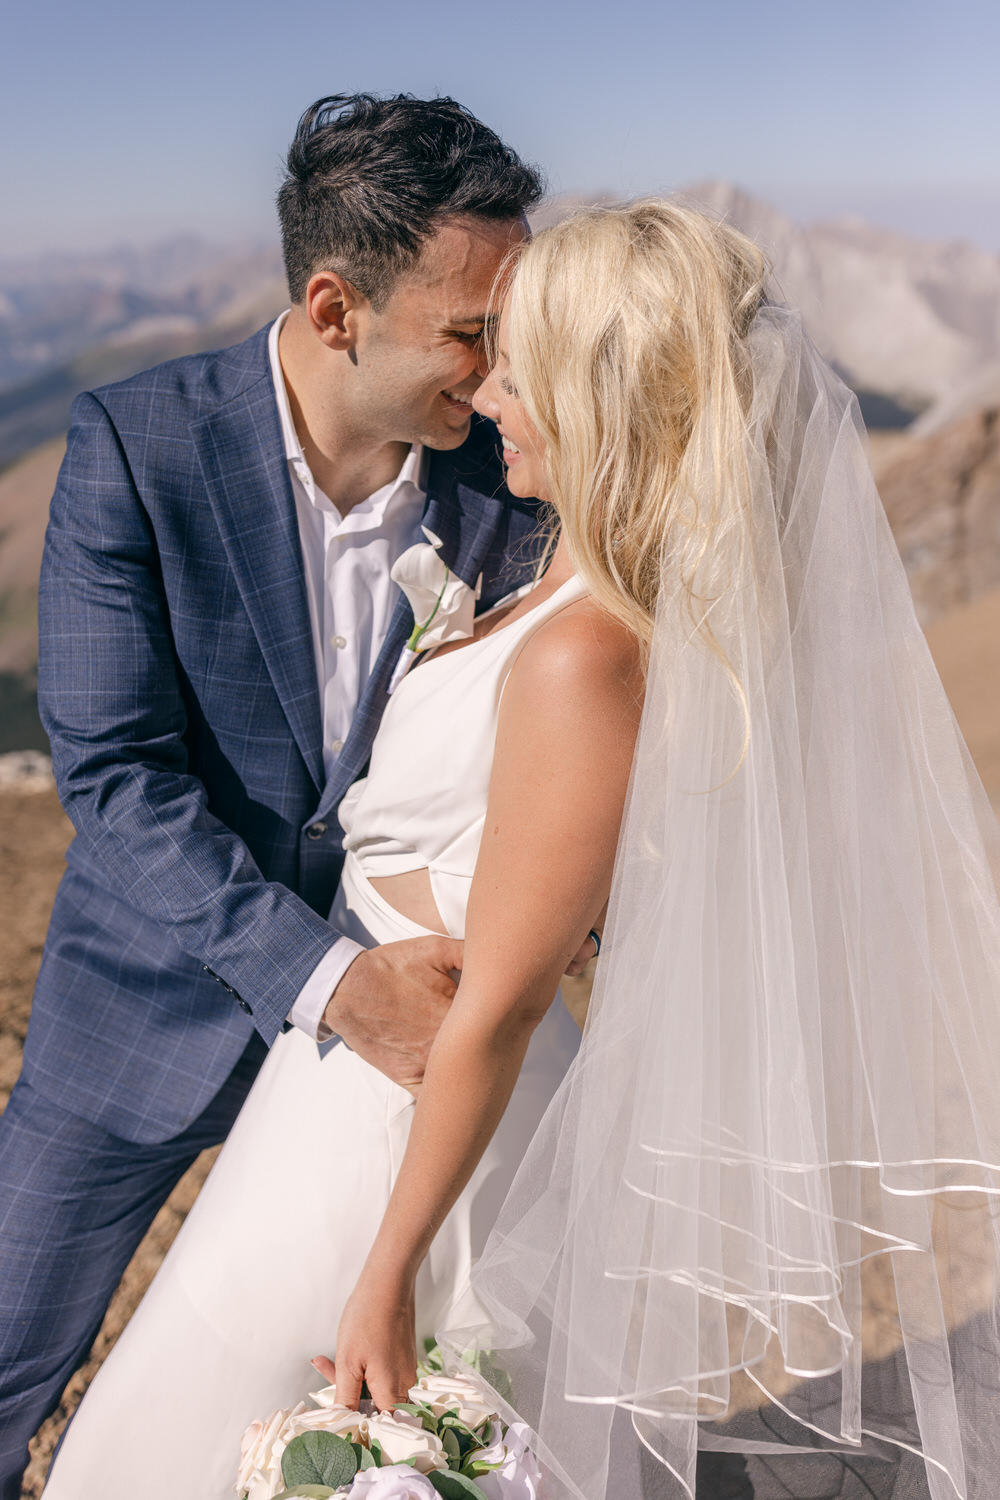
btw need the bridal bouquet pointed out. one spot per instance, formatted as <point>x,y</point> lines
<point>446,1440</point>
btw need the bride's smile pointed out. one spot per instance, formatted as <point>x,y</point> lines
<point>522,445</point>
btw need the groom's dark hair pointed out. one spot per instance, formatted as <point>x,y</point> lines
<point>370,179</point>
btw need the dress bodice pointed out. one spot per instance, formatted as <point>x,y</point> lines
<point>423,803</point>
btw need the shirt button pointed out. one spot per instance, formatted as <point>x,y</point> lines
<point>339,641</point>
<point>336,746</point>
<point>316,830</point>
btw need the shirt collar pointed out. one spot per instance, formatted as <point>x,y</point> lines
<point>371,511</point>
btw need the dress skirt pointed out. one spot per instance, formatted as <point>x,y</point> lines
<point>255,1283</point>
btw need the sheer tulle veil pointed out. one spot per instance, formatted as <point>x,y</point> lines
<point>761,1214</point>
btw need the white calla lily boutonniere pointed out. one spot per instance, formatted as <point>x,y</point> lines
<point>444,607</point>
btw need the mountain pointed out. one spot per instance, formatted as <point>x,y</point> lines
<point>909,323</point>
<point>980,390</point>
<point>905,321</point>
<point>942,497</point>
<point>70,323</point>
<point>25,490</point>
<point>54,307</point>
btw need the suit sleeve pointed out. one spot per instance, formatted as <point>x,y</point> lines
<point>111,705</point>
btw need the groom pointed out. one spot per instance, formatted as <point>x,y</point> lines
<point>218,631</point>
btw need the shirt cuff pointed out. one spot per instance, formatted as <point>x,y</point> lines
<point>314,996</point>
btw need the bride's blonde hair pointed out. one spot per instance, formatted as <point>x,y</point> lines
<point>627,343</point>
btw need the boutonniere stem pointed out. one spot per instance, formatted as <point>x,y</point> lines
<point>419,631</point>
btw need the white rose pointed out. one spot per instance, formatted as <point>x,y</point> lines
<point>259,1475</point>
<point>519,1477</point>
<point>403,1439</point>
<point>459,1393</point>
<point>396,1483</point>
<point>493,1450</point>
<point>264,1443</point>
<point>344,1421</point>
<point>326,1397</point>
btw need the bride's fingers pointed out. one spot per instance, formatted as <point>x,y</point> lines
<point>326,1368</point>
<point>349,1389</point>
<point>388,1390</point>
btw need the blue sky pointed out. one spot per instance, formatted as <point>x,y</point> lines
<point>126,120</point>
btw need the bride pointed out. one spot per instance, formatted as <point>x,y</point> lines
<point>757,1216</point>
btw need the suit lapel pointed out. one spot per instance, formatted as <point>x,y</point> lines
<point>466,521</point>
<point>243,463</point>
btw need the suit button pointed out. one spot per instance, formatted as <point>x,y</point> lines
<point>243,1005</point>
<point>316,830</point>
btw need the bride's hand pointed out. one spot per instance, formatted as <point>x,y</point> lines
<point>376,1343</point>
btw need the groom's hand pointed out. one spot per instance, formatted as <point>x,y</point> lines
<point>391,1001</point>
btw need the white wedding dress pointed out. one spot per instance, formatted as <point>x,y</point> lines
<point>254,1285</point>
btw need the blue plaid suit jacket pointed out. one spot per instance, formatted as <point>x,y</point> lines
<point>177,684</point>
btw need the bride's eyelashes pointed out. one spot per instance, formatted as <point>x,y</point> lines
<point>508,387</point>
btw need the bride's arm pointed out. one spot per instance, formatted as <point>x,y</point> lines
<point>566,734</point>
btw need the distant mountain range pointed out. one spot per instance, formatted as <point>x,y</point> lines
<point>54,307</point>
<point>913,326</point>
<point>71,322</point>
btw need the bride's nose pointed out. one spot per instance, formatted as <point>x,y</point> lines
<point>485,400</point>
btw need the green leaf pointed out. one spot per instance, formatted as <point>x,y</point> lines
<point>467,1439</point>
<point>454,1486</point>
<point>433,1360</point>
<point>482,1362</point>
<point>376,1452</point>
<point>312,1491</point>
<point>365,1459</point>
<point>428,1420</point>
<point>452,1447</point>
<point>474,1466</point>
<point>454,1421</point>
<point>318,1458</point>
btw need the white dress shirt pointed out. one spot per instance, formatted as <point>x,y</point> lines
<point>351,599</point>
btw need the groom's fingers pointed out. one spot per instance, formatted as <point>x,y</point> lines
<point>390,1003</point>
<point>449,956</point>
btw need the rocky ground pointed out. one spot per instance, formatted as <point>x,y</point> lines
<point>941,495</point>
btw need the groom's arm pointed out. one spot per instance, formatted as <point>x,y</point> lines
<point>111,704</point>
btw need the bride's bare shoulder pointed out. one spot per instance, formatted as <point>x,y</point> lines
<point>582,650</point>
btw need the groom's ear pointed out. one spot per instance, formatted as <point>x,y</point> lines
<point>333,306</point>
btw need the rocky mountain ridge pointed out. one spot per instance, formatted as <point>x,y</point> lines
<point>55,307</point>
<point>942,497</point>
<point>909,319</point>
<point>911,324</point>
